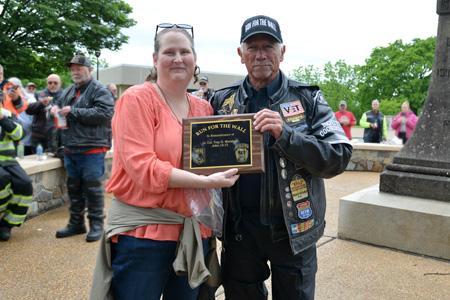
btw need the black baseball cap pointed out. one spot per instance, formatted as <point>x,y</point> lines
<point>261,25</point>
<point>203,79</point>
<point>80,59</point>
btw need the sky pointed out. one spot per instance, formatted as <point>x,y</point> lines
<point>314,31</point>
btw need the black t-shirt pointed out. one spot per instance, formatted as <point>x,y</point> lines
<point>250,184</point>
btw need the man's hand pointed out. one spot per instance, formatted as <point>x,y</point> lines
<point>54,110</point>
<point>269,120</point>
<point>46,100</point>
<point>65,110</point>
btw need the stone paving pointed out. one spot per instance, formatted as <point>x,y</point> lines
<point>34,265</point>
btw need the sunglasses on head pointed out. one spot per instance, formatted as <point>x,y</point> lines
<point>13,88</point>
<point>187,27</point>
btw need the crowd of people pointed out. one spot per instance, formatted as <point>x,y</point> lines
<point>152,244</point>
<point>74,125</point>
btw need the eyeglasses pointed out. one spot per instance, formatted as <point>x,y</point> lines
<point>202,83</point>
<point>52,82</point>
<point>187,27</point>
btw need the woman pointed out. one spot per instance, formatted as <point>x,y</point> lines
<point>146,173</point>
<point>404,123</point>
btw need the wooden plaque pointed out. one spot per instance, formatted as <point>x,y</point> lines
<point>218,143</point>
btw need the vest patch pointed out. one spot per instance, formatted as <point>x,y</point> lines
<point>304,210</point>
<point>227,104</point>
<point>292,111</point>
<point>298,187</point>
<point>301,227</point>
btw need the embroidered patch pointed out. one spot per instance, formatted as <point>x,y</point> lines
<point>227,104</point>
<point>298,187</point>
<point>301,227</point>
<point>330,126</point>
<point>292,111</point>
<point>304,210</point>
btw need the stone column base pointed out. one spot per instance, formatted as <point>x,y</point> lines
<point>402,222</point>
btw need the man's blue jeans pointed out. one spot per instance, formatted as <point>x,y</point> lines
<point>142,269</point>
<point>84,185</point>
<point>86,167</point>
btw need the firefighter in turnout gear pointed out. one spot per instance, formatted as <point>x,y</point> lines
<point>16,189</point>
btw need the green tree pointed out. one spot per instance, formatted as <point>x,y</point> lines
<point>398,71</point>
<point>340,84</point>
<point>307,74</point>
<point>38,37</point>
<point>337,81</point>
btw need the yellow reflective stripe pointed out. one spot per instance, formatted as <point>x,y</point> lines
<point>8,145</point>
<point>21,200</point>
<point>6,191</point>
<point>16,134</point>
<point>3,207</point>
<point>6,158</point>
<point>13,218</point>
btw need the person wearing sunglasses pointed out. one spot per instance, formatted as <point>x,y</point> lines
<point>15,100</point>
<point>150,205</point>
<point>277,216</point>
<point>43,128</point>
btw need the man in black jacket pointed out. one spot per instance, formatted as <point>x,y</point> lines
<point>278,216</point>
<point>43,128</point>
<point>87,107</point>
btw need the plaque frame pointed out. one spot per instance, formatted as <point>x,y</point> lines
<point>256,148</point>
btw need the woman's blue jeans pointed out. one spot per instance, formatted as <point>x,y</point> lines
<point>142,269</point>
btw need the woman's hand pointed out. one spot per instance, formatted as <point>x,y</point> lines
<point>222,179</point>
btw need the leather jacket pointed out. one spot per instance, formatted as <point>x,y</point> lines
<point>312,146</point>
<point>89,122</point>
<point>42,122</point>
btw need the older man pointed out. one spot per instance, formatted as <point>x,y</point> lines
<point>113,89</point>
<point>87,107</point>
<point>346,118</point>
<point>374,124</point>
<point>205,92</point>
<point>278,216</point>
<point>42,127</point>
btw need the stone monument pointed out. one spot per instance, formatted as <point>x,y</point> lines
<point>410,209</point>
<point>422,167</point>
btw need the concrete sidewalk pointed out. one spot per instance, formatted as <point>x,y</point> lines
<point>35,265</point>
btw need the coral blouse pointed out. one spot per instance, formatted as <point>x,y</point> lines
<point>147,145</point>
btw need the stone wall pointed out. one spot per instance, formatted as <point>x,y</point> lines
<point>372,157</point>
<point>49,176</point>
<point>49,182</point>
